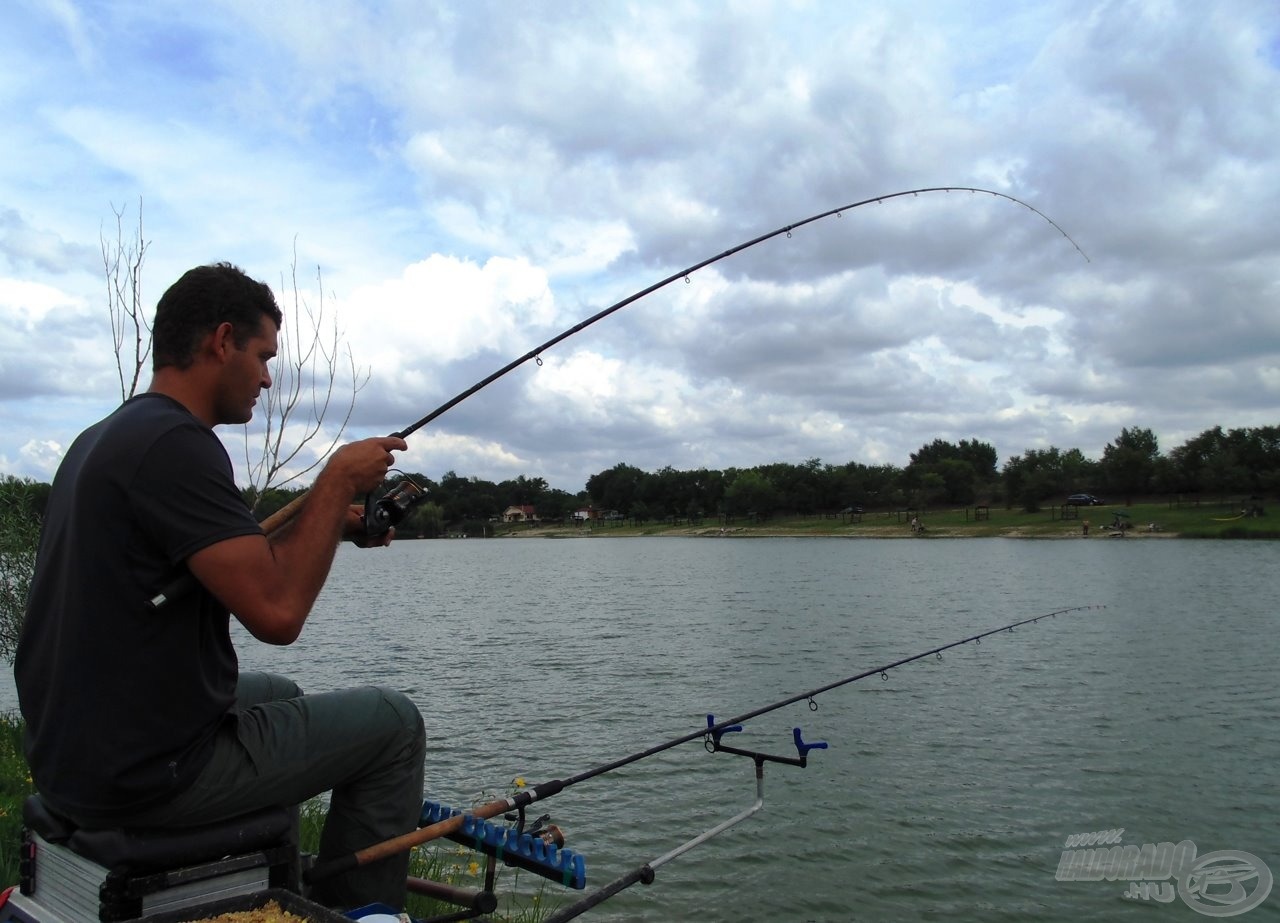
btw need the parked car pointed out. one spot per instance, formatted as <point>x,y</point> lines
<point>1085,500</point>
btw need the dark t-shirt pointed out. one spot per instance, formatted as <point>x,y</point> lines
<point>121,702</point>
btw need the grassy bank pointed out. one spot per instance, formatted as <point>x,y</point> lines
<point>1148,520</point>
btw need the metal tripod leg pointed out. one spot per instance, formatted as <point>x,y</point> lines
<point>645,873</point>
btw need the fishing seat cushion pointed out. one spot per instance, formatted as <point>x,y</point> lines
<point>144,849</point>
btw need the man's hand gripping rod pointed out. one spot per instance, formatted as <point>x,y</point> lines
<point>380,515</point>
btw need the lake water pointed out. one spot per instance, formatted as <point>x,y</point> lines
<point>949,788</point>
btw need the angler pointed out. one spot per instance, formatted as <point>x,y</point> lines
<point>113,773</point>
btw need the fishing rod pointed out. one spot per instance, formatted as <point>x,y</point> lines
<point>450,826</point>
<point>381,516</point>
<point>285,513</point>
<point>536,352</point>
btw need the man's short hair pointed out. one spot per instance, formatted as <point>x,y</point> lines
<point>201,300</point>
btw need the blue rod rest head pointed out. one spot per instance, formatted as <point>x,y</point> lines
<point>803,748</point>
<point>711,722</point>
<point>433,813</point>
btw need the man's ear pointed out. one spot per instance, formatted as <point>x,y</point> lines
<point>222,342</point>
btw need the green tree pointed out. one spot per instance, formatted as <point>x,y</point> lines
<point>963,470</point>
<point>1035,476</point>
<point>1077,472</point>
<point>619,488</point>
<point>750,492</point>
<point>467,498</point>
<point>959,480</point>
<point>557,504</point>
<point>672,492</point>
<point>1128,464</point>
<point>933,489</point>
<point>21,503</point>
<point>426,520</point>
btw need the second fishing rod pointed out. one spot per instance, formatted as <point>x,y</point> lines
<point>714,729</point>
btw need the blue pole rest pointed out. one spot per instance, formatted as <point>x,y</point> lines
<point>716,734</point>
<point>803,748</point>
<point>511,846</point>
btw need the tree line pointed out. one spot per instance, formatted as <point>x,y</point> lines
<point>945,474</point>
<point>1233,463</point>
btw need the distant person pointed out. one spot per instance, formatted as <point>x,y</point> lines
<point>140,717</point>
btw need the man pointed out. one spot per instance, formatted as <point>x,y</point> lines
<point>138,717</point>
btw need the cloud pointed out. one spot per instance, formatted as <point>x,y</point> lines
<point>28,249</point>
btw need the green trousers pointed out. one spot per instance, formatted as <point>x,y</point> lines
<point>365,746</point>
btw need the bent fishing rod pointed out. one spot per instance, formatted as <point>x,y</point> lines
<point>711,733</point>
<point>786,229</point>
<point>381,516</point>
<point>287,512</point>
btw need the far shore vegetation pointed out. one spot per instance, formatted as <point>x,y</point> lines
<point>1222,472</point>
<point>1233,474</point>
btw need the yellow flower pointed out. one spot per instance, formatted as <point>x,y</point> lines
<point>518,781</point>
<point>473,869</point>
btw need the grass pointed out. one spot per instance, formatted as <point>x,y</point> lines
<point>15,786</point>
<point>1198,520</point>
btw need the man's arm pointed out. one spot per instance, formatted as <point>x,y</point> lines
<point>271,584</point>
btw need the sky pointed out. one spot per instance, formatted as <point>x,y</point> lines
<point>455,183</point>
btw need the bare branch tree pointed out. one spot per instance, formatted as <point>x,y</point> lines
<point>310,361</point>
<point>122,265</point>
<point>314,370</point>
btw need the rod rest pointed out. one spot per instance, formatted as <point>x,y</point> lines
<point>144,849</point>
<point>511,846</point>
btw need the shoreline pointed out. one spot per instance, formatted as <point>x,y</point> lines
<point>1132,521</point>
<point>875,532</point>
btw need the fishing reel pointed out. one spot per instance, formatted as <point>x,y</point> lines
<point>381,514</point>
